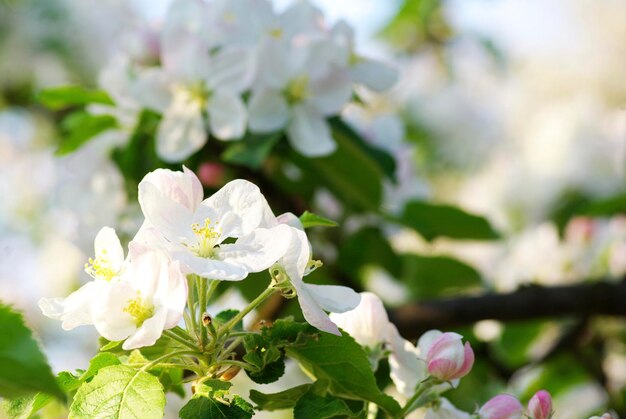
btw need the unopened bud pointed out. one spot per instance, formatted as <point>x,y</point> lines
<point>540,405</point>
<point>206,319</point>
<point>503,406</point>
<point>447,358</point>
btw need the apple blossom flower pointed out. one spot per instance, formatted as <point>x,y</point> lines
<point>149,298</point>
<point>193,230</point>
<point>446,357</point>
<point>502,406</point>
<point>445,410</point>
<point>314,299</point>
<point>540,405</point>
<point>107,266</point>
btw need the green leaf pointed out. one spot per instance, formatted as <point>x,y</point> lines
<point>435,220</point>
<point>368,247</point>
<point>308,219</point>
<point>24,407</point>
<point>110,345</point>
<point>119,391</point>
<point>343,363</point>
<point>267,359</point>
<point>312,405</point>
<point>65,96</point>
<point>79,127</point>
<point>278,401</point>
<point>436,276</point>
<point>225,316</point>
<point>251,151</point>
<point>23,367</point>
<point>213,401</point>
<point>98,362</point>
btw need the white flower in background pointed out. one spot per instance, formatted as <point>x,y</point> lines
<point>194,230</point>
<point>149,298</point>
<point>445,410</point>
<point>106,267</point>
<point>297,87</point>
<point>313,299</point>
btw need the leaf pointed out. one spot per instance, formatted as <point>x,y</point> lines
<point>65,96</point>
<point>24,407</point>
<point>119,391</point>
<point>213,401</point>
<point>436,276</point>
<point>435,220</point>
<point>23,367</point>
<point>267,358</point>
<point>343,363</point>
<point>278,401</point>
<point>79,127</point>
<point>308,219</point>
<point>225,316</point>
<point>98,362</point>
<point>110,345</point>
<point>251,151</point>
<point>368,247</point>
<point>312,405</point>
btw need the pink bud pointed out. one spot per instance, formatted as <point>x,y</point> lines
<point>580,230</point>
<point>540,405</point>
<point>448,359</point>
<point>503,406</point>
<point>211,174</point>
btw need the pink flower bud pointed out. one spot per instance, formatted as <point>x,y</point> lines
<point>540,405</point>
<point>447,358</point>
<point>503,406</point>
<point>211,174</point>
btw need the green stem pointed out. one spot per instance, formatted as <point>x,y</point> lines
<point>191,305</point>
<point>202,303</point>
<point>172,335</point>
<point>226,352</point>
<point>258,300</point>
<point>167,356</point>
<point>233,363</point>
<point>419,392</point>
<point>211,289</point>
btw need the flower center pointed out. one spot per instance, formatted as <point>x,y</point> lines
<point>139,309</point>
<point>298,89</point>
<point>101,267</point>
<point>276,33</point>
<point>207,236</point>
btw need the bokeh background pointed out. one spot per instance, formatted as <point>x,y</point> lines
<point>510,109</point>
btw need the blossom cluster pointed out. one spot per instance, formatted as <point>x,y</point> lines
<point>235,65</point>
<point>224,238</point>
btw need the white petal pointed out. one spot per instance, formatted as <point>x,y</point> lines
<point>75,310</point>
<point>210,268</point>
<point>312,312</point>
<point>297,254</point>
<point>291,220</point>
<point>330,94</point>
<point>268,111</point>
<point>259,250</point>
<point>107,246</point>
<point>227,115</point>
<point>110,319</point>
<point>309,133</point>
<point>151,89</point>
<point>376,75</point>
<point>181,132</point>
<point>275,64</point>
<point>148,332</point>
<point>232,69</point>
<point>243,201</point>
<point>426,341</point>
<point>407,370</point>
<point>367,323</point>
<point>334,298</point>
<point>173,294</point>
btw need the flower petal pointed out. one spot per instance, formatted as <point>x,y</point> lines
<point>268,111</point>
<point>368,323</point>
<point>107,246</point>
<point>75,310</point>
<point>227,115</point>
<point>406,369</point>
<point>209,268</point>
<point>312,312</point>
<point>149,332</point>
<point>331,92</point>
<point>309,132</point>
<point>334,298</point>
<point>232,69</point>
<point>374,74</point>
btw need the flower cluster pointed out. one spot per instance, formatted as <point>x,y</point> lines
<point>237,65</point>
<point>184,237</point>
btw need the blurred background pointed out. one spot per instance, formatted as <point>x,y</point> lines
<point>509,109</point>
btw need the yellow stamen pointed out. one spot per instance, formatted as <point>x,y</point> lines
<point>101,267</point>
<point>298,89</point>
<point>139,309</point>
<point>276,33</point>
<point>207,238</point>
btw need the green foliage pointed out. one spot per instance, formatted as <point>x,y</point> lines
<point>278,401</point>
<point>341,362</point>
<point>104,359</point>
<point>213,401</point>
<point>314,404</point>
<point>252,151</point>
<point>515,341</point>
<point>23,367</point>
<point>437,220</point>
<point>225,316</point>
<point>79,127</point>
<point>368,247</point>
<point>308,219</point>
<point>436,276</point>
<point>24,407</point>
<point>60,97</point>
<point>119,391</point>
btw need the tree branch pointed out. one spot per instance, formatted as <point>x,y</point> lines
<point>532,302</point>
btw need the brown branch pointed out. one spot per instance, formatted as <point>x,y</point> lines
<point>533,302</point>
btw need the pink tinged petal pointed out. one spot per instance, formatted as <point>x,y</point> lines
<point>503,406</point>
<point>309,133</point>
<point>268,111</point>
<point>329,94</point>
<point>426,341</point>
<point>148,333</point>
<point>334,298</point>
<point>181,131</point>
<point>227,115</point>
<point>447,345</point>
<point>373,74</point>
<point>183,187</point>
<point>540,405</point>
<point>442,368</point>
<point>258,250</point>
<point>468,362</point>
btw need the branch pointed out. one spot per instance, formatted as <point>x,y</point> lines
<point>532,302</point>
